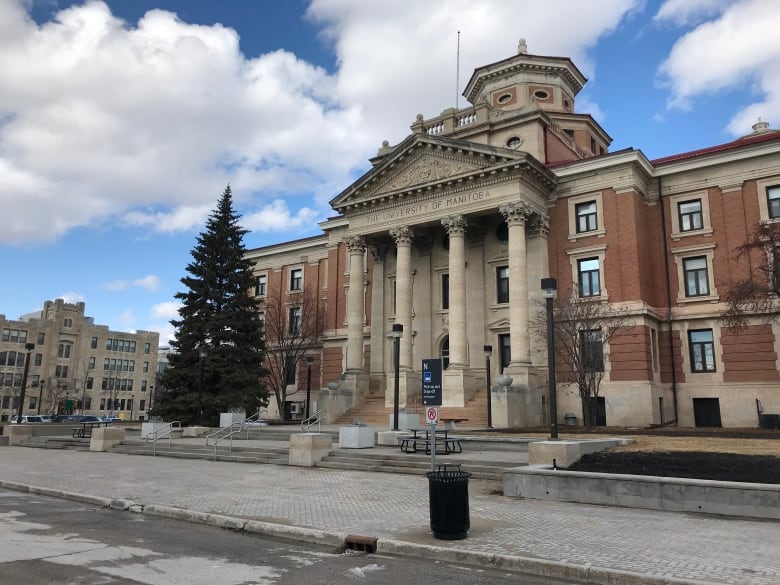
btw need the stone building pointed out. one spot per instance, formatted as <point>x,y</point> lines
<point>451,231</point>
<point>76,367</point>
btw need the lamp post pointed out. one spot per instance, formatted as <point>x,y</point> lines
<point>488,349</point>
<point>397,332</point>
<point>549,290</point>
<point>202,353</point>
<point>29,347</point>
<point>309,360</point>
<point>40,394</point>
<point>132,404</point>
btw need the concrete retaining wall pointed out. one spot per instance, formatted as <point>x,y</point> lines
<point>754,500</point>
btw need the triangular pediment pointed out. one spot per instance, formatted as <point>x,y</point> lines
<point>422,162</point>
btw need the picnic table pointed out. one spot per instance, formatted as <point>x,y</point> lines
<point>85,430</point>
<point>422,437</point>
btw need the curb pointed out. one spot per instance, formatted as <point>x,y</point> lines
<point>561,570</point>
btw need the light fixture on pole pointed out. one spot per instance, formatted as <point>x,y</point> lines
<point>29,347</point>
<point>549,291</point>
<point>397,332</point>
<point>309,360</point>
<point>40,394</point>
<point>132,403</point>
<point>488,349</point>
<point>202,353</point>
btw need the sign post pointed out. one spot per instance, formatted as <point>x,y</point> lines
<point>431,395</point>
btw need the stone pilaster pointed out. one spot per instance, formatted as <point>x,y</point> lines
<point>403,237</point>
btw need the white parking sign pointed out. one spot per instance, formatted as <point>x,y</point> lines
<point>432,415</point>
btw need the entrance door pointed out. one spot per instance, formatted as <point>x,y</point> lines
<point>706,412</point>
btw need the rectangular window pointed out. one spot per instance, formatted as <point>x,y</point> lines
<point>90,383</point>
<point>143,385</point>
<point>262,284</point>
<point>147,348</point>
<point>61,371</point>
<point>690,215</point>
<point>697,281</point>
<point>587,220</point>
<point>33,402</point>
<point>589,277</point>
<point>702,350</point>
<point>773,201</point>
<point>36,381</point>
<point>592,350</point>
<point>67,323</point>
<point>296,279</point>
<point>146,367</point>
<point>142,405</point>
<point>41,337</point>
<point>289,370</point>
<point>38,359</point>
<point>505,351</point>
<point>294,321</point>
<point>91,365</point>
<point>445,291</point>
<point>502,284</point>
<point>93,344</point>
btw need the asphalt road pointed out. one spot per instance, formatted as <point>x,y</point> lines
<point>47,540</point>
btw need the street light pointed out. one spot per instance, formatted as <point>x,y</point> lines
<point>549,290</point>
<point>202,353</point>
<point>29,347</point>
<point>309,360</point>
<point>397,332</point>
<point>488,349</point>
<point>132,403</point>
<point>40,394</point>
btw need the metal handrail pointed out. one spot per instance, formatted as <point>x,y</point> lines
<point>161,433</point>
<point>228,432</point>
<point>308,423</point>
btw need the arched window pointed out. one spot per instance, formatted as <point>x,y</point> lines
<point>445,353</point>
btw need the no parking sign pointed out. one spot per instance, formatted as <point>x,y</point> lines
<point>432,415</point>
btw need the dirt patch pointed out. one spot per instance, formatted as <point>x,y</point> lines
<point>690,464</point>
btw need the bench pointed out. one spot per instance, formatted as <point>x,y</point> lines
<point>444,443</point>
<point>85,430</point>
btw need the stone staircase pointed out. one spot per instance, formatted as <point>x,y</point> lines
<point>56,443</point>
<point>374,412</point>
<point>236,454</point>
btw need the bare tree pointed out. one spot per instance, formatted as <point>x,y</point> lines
<point>583,328</point>
<point>293,324</point>
<point>757,293</point>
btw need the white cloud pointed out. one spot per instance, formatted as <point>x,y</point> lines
<point>166,310</point>
<point>737,49</point>
<point>71,297</point>
<point>144,123</point>
<point>150,282</point>
<point>115,285</point>
<point>127,319</point>
<point>685,12</point>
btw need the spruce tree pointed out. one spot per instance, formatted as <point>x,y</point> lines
<point>216,358</point>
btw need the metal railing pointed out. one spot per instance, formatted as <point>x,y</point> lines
<point>161,433</point>
<point>308,423</point>
<point>215,438</point>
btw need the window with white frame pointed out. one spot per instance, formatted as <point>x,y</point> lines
<point>702,347</point>
<point>690,215</point>
<point>768,191</point>
<point>697,280</point>
<point>261,286</point>
<point>695,273</point>
<point>296,279</point>
<point>585,216</point>
<point>502,284</point>
<point>294,321</point>
<point>773,201</point>
<point>592,350</point>
<point>589,277</point>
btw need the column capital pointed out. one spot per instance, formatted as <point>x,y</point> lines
<point>455,225</point>
<point>378,247</point>
<point>355,244</point>
<point>517,212</point>
<point>540,226</point>
<point>403,235</point>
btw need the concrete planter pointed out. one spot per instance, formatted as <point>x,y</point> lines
<point>406,420</point>
<point>356,437</point>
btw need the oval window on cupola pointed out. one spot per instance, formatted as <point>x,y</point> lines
<point>504,98</point>
<point>541,94</point>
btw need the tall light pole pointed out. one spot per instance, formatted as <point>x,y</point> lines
<point>29,347</point>
<point>202,353</point>
<point>549,290</point>
<point>488,349</point>
<point>40,394</point>
<point>132,404</point>
<point>397,332</point>
<point>309,360</point>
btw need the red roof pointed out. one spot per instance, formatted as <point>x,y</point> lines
<point>740,142</point>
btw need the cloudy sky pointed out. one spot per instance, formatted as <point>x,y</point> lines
<point>121,121</point>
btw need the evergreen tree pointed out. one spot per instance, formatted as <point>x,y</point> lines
<point>216,362</point>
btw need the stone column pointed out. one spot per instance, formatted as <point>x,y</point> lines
<point>378,333</point>
<point>403,237</point>
<point>355,303</point>
<point>516,215</point>
<point>456,228</point>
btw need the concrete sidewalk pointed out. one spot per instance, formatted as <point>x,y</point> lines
<point>592,544</point>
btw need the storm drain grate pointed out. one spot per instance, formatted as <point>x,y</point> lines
<point>365,544</point>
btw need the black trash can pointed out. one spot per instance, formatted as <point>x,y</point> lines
<point>448,492</point>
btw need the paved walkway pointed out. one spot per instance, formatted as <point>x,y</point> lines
<point>594,542</point>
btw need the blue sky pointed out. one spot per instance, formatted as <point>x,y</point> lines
<point>121,121</point>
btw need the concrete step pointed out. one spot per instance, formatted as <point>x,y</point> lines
<point>243,455</point>
<point>56,443</point>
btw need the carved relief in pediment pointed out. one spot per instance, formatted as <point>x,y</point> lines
<point>427,169</point>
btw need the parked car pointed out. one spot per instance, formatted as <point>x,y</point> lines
<point>68,418</point>
<point>111,418</point>
<point>46,418</point>
<point>27,418</point>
